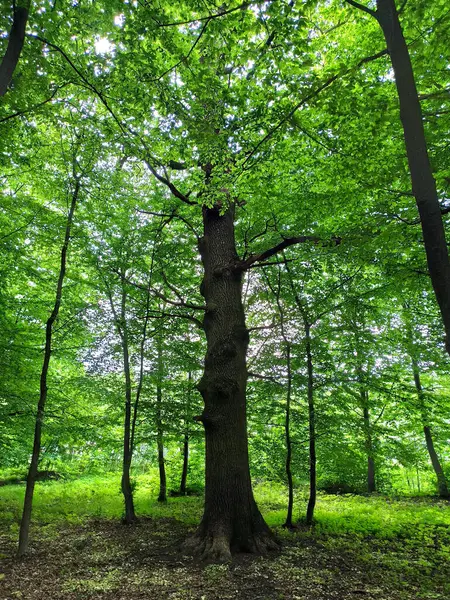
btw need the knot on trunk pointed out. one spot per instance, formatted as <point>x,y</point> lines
<point>208,420</point>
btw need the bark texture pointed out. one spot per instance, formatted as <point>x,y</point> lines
<point>231,519</point>
<point>34,463</point>
<point>423,183</point>
<point>15,45</point>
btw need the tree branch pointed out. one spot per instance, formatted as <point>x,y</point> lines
<point>19,113</point>
<point>175,191</point>
<point>256,258</point>
<point>309,97</point>
<point>222,13</point>
<point>365,9</point>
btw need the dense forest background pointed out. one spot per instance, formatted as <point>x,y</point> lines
<point>130,132</point>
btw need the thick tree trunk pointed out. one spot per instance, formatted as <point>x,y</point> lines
<point>288,523</point>
<point>312,430</point>
<point>15,45</point>
<point>439,471</point>
<point>231,518</point>
<point>423,183</point>
<point>33,468</point>
<point>162,496</point>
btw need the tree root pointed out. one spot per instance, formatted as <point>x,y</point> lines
<point>216,547</point>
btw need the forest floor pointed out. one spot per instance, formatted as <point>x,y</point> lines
<point>361,548</point>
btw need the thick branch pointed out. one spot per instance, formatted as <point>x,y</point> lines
<point>256,258</point>
<point>365,9</point>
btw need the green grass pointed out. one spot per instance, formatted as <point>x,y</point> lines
<point>393,549</point>
<point>100,497</point>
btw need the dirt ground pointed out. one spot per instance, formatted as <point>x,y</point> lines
<point>107,560</point>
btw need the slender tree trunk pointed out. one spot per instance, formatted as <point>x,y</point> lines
<point>184,471</point>
<point>141,364</point>
<point>127,489</point>
<point>439,471</point>
<point>231,518</point>
<point>162,496</point>
<point>288,523</point>
<point>371,483</point>
<point>122,330</point>
<point>312,430</point>
<point>15,44</point>
<point>33,468</point>
<point>423,183</point>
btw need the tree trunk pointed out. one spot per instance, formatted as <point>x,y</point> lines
<point>33,468</point>
<point>186,441</point>
<point>128,428</point>
<point>312,430</point>
<point>288,523</point>
<point>231,518</point>
<point>162,496</point>
<point>371,483</point>
<point>439,471</point>
<point>423,183</point>
<point>184,471</point>
<point>15,45</point>
<point>127,489</point>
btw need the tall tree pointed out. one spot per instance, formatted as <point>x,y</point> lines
<point>33,467</point>
<point>422,179</point>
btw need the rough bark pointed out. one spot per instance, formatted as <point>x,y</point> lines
<point>231,519</point>
<point>312,429</point>
<point>439,471</point>
<point>162,496</point>
<point>33,468</point>
<point>423,183</point>
<point>15,45</point>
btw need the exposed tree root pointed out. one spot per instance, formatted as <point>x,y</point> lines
<point>217,547</point>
